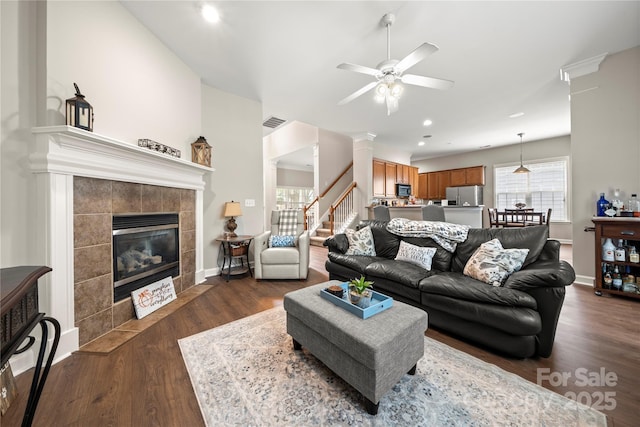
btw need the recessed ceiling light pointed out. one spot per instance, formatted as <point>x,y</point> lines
<point>421,143</point>
<point>210,14</point>
<point>427,122</point>
<point>485,146</point>
<point>515,115</point>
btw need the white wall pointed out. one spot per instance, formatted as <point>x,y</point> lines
<point>391,154</point>
<point>289,138</point>
<point>532,150</point>
<point>605,145</point>
<point>233,127</point>
<point>18,113</point>
<point>294,178</point>
<point>138,88</point>
<point>335,152</point>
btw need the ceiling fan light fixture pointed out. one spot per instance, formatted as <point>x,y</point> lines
<point>381,90</point>
<point>395,90</point>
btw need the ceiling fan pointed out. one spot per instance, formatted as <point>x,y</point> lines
<point>389,73</point>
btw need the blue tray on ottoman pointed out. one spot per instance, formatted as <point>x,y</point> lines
<point>379,302</point>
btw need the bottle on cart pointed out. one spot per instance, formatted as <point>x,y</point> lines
<point>616,284</point>
<point>633,255</point>
<point>608,250</point>
<point>607,278</point>
<point>620,252</point>
<point>616,203</point>
<point>632,204</point>
<point>602,205</point>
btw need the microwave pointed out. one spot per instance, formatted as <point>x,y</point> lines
<point>403,190</point>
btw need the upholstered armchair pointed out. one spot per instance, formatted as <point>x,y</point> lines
<point>283,251</point>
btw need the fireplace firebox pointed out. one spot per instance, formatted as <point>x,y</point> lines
<point>146,248</point>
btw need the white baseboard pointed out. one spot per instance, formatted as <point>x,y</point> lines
<point>584,280</point>
<point>68,344</point>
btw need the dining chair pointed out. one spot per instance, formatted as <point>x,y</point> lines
<point>493,218</point>
<point>381,213</point>
<point>433,213</point>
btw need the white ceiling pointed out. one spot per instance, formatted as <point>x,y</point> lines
<point>504,57</point>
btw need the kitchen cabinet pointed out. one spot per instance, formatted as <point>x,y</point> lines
<point>626,229</point>
<point>437,184</point>
<point>467,176</point>
<point>379,179</point>
<point>390,179</point>
<point>475,175</point>
<point>387,174</point>
<point>402,174</point>
<point>413,180</point>
<point>423,186</point>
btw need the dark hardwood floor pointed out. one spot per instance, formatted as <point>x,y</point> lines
<point>145,383</point>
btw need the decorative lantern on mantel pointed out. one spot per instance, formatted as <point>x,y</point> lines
<point>201,152</point>
<point>79,112</point>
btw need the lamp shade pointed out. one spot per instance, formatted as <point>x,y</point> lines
<point>232,209</point>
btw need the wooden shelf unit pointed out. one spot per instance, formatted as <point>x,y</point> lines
<point>616,228</point>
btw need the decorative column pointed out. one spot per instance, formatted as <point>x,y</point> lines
<point>363,172</point>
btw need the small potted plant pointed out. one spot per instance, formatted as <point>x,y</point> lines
<point>360,292</point>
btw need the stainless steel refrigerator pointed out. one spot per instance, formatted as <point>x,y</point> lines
<point>470,195</point>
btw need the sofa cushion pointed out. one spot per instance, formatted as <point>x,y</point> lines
<point>280,256</point>
<point>518,321</point>
<point>441,259</point>
<point>402,272</point>
<point>532,238</point>
<point>354,262</point>
<point>386,243</point>
<point>360,242</point>
<point>492,264</point>
<point>420,256</point>
<point>282,241</point>
<point>456,285</point>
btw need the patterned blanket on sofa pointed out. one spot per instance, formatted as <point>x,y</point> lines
<point>445,234</point>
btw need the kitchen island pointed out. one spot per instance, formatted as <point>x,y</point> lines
<point>466,215</point>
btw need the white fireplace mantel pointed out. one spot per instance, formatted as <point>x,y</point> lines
<point>72,151</point>
<point>61,152</point>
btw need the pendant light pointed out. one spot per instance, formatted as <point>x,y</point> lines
<point>521,169</point>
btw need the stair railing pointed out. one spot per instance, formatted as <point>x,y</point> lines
<point>310,212</point>
<point>341,213</point>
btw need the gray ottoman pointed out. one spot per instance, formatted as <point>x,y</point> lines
<point>370,354</point>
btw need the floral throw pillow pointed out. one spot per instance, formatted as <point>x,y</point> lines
<point>492,264</point>
<point>417,255</point>
<point>282,241</point>
<point>360,242</point>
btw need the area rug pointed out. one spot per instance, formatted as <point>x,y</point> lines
<point>246,373</point>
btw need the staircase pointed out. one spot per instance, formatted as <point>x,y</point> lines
<point>321,234</point>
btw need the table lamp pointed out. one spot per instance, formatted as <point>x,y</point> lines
<point>231,210</point>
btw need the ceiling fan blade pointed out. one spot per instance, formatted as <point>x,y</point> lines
<point>430,82</point>
<point>392,105</point>
<point>360,69</point>
<point>421,52</point>
<point>357,93</point>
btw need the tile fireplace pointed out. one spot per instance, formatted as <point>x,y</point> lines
<point>82,181</point>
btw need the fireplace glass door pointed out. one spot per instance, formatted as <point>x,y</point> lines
<point>145,250</point>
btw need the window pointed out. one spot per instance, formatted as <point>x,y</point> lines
<point>293,197</point>
<point>545,187</point>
